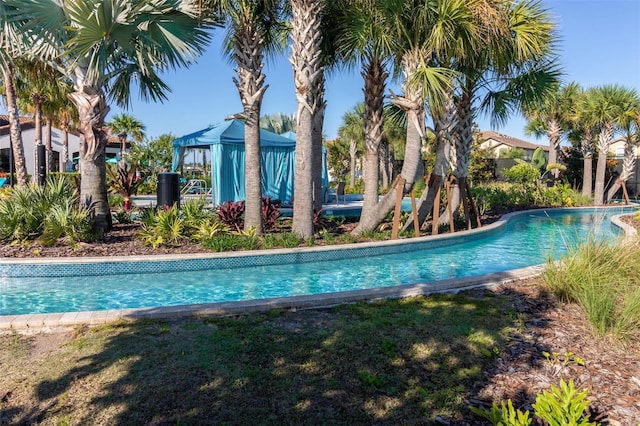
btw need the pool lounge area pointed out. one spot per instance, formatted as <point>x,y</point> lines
<point>316,285</point>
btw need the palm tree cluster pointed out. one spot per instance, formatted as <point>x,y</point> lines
<point>451,59</point>
<point>590,118</point>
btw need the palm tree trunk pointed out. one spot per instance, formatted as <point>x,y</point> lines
<point>353,152</point>
<point>413,104</point>
<point>587,175</point>
<point>49,148</point>
<point>628,165</point>
<point>92,111</point>
<point>15,132</point>
<point>385,170</point>
<point>553,132</point>
<point>65,147</point>
<point>374,77</point>
<point>247,54</point>
<point>409,172</point>
<point>463,145</point>
<point>307,72</point>
<point>445,127</point>
<point>316,140</point>
<point>604,141</point>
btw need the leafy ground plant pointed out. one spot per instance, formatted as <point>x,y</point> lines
<point>561,406</point>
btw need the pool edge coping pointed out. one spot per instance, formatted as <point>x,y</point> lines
<point>61,321</point>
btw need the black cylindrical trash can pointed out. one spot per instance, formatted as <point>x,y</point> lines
<point>168,190</point>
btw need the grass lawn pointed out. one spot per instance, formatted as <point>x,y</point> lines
<point>389,362</point>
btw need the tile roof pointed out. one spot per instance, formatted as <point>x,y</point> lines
<point>509,140</point>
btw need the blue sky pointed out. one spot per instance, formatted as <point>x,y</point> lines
<point>600,44</point>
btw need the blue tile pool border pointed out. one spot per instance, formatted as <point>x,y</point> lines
<point>119,265</point>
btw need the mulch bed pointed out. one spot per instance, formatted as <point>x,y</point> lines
<point>610,372</point>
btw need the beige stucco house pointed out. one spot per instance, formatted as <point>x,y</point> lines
<point>497,142</point>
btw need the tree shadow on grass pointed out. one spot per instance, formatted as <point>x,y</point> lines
<point>409,361</point>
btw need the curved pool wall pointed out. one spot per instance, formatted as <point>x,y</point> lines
<point>410,282</point>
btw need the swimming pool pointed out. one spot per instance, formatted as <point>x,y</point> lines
<point>526,239</point>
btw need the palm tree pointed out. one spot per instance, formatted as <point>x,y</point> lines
<point>103,46</point>
<point>35,87</point>
<point>363,38</point>
<point>9,48</point>
<point>515,61</point>
<point>412,28</point>
<point>254,27</point>
<point>278,123</point>
<point>352,130</point>
<point>308,74</point>
<point>8,74</point>
<point>125,125</point>
<point>552,116</point>
<point>630,125</point>
<point>583,133</point>
<point>607,108</point>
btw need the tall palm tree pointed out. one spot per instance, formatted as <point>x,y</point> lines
<point>104,46</point>
<point>125,125</point>
<point>35,86</point>
<point>352,130</point>
<point>308,75</point>
<point>630,126</point>
<point>412,24</point>
<point>364,39</point>
<point>552,116</point>
<point>583,133</point>
<point>514,65</point>
<point>607,108</point>
<point>10,47</point>
<point>254,27</point>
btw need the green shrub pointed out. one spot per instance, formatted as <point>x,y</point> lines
<point>230,242</point>
<point>562,406</point>
<point>505,415</point>
<point>208,229</point>
<point>283,240</point>
<point>122,216</point>
<point>31,209</point>
<point>163,228</point>
<point>68,221</point>
<point>522,173</point>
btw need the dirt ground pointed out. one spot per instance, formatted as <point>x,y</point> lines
<point>610,372</point>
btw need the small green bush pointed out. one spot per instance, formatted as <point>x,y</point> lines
<point>522,173</point>
<point>230,242</point>
<point>562,406</point>
<point>163,228</point>
<point>30,211</point>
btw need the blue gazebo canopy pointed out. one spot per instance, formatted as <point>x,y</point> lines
<point>226,144</point>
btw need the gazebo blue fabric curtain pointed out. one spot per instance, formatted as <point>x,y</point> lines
<point>226,144</point>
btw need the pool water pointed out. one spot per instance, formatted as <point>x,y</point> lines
<point>526,240</point>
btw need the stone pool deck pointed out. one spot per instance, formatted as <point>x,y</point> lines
<point>35,323</point>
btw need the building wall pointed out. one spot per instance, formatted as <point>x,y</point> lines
<point>28,140</point>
